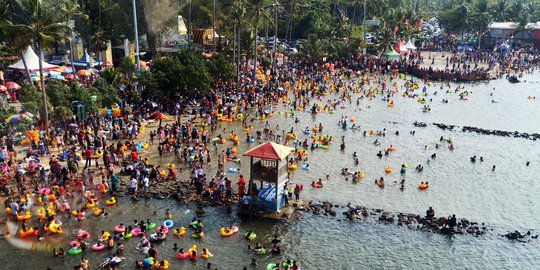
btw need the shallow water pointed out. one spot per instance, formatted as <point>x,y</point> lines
<point>504,198</point>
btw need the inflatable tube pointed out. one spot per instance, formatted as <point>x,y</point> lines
<point>205,255</point>
<point>75,251</point>
<point>163,229</point>
<point>224,233</point>
<point>119,229</point>
<point>83,235</point>
<point>323,146</point>
<point>387,170</point>
<point>182,256</point>
<point>239,116</point>
<point>168,223</point>
<point>151,226</point>
<point>196,236</point>
<point>111,201</point>
<point>271,266</point>
<point>251,140</point>
<point>233,170</point>
<point>127,235</point>
<point>90,205</point>
<point>305,167</point>
<point>423,186</point>
<point>23,234</point>
<point>293,167</point>
<point>98,247</point>
<point>136,232</point>
<point>214,139</point>
<point>192,250</point>
<point>251,237</point>
<point>180,232</point>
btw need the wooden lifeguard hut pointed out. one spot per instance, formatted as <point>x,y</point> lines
<point>269,166</point>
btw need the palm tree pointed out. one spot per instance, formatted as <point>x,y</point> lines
<point>98,42</point>
<point>36,23</point>
<point>500,11</point>
<point>258,10</point>
<point>70,9</point>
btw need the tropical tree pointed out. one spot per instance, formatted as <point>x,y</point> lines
<point>500,11</point>
<point>33,22</point>
<point>259,8</point>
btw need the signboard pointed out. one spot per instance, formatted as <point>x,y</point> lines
<point>372,22</point>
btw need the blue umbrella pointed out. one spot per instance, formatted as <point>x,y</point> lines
<point>56,77</point>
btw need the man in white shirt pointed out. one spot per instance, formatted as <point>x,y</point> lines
<point>133,185</point>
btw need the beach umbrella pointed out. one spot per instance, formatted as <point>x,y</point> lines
<point>36,79</point>
<point>73,125</point>
<point>93,70</point>
<point>84,73</point>
<point>3,88</point>
<point>65,69</point>
<point>56,77</point>
<point>69,76</point>
<point>12,86</point>
<point>106,64</point>
<point>27,116</point>
<point>13,119</point>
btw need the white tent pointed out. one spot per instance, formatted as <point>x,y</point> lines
<point>410,46</point>
<point>32,62</point>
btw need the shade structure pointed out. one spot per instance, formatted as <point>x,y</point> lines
<point>400,47</point>
<point>410,46</point>
<point>13,86</point>
<point>32,62</point>
<point>65,69</point>
<point>269,150</point>
<point>93,70</point>
<point>84,73</point>
<point>69,76</point>
<point>56,77</point>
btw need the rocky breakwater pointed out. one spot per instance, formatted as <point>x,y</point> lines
<point>440,225</point>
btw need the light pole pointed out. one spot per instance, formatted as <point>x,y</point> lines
<point>364,29</point>
<point>137,57</point>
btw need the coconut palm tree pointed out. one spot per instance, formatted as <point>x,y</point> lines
<point>70,9</point>
<point>259,8</point>
<point>36,23</point>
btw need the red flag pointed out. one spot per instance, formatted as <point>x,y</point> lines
<point>395,30</point>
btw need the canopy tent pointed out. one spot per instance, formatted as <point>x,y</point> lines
<point>391,55</point>
<point>270,150</point>
<point>400,48</point>
<point>32,62</point>
<point>86,61</point>
<point>410,46</point>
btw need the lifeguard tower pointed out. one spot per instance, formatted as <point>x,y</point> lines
<point>268,165</point>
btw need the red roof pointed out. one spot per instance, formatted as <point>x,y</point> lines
<point>270,150</point>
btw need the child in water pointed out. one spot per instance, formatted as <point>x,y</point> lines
<point>168,214</point>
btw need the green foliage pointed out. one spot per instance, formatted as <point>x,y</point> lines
<point>107,94</point>
<point>31,101</point>
<point>127,66</point>
<point>184,73</point>
<point>220,68</point>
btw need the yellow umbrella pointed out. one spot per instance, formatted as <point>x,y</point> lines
<point>84,73</point>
